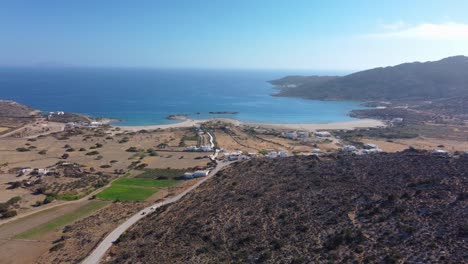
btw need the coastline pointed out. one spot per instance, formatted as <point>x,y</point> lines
<point>345,125</point>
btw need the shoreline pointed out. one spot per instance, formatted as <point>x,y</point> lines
<point>345,125</point>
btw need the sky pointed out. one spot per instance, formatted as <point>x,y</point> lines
<point>240,34</point>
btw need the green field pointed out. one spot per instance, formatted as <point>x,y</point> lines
<point>59,222</point>
<point>133,189</point>
<point>156,174</point>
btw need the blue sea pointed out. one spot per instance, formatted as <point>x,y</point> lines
<point>148,96</point>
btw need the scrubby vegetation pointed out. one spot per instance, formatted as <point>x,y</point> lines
<point>384,208</point>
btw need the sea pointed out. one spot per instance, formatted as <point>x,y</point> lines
<point>148,96</point>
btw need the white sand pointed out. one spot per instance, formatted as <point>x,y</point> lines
<point>360,123</point>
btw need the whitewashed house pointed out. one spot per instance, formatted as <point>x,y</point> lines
<point>290,135</point>
<point>323,134</point>
<point>302,134</point>
<point>201,173</point>
<point>348,148</point>
<point>370,146</point>
<point>316,151</point>
<point>191,148</point>
<point>188,175</point>
<point>206,148</point>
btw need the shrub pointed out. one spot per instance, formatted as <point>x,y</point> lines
<point>92,153</point>
<point>9,214</point>
<point>13,200</point>
<point>57,247</point>
<point>42,152</point>
<point>132,149</point>
<point>22,149</point>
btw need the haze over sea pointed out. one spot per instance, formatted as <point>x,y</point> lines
<point>148,96</point>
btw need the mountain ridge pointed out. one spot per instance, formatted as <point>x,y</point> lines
<point>445,78</point>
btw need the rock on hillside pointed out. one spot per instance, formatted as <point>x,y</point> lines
<point>381,208</point>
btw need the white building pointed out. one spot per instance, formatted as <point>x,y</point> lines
<point>275,154</point>
<point>95,124</point>
<point>440,152</point>
<point>191,148</point>
<point>201,173</point>
<point>371,151</point>
<point>42,171</point>
<point>253,155</point>
<point>206,148</point>
<point>323,134</point>
<point>272,155</point>
<point>188,175</point>
<point>290,135</point>
<point>397,120</point>
<point>370,146</point>
<point>233,155</point>
<point>316,151</point>
<point>303,134</point>
<point>348,148</point>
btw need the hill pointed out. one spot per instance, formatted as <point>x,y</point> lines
<point>446,78</point>
<point>381,208</point>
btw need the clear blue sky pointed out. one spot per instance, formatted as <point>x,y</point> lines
<point>291,34</point>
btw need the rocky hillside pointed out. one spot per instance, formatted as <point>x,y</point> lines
<point>382,208</point>
<point>446,78</point>
<point>14,109</point>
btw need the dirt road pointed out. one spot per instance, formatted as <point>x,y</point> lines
<point>101,249</point>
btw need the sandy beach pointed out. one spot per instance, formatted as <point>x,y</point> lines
<point>347,125</point>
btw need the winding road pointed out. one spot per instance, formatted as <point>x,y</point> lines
<point>99,252</point>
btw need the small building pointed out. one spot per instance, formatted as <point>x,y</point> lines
<point>233,155</point>
<point>191,148</point>
<point>440,152</point>
<point>95,124</point>
<point>348,148</point>
<point>283,153</point>
<point>253,155</point>
<point>371,151</point>
<point>396,120</point>
<point>302,134</point>
<point>323,134</point>
<point>316,151</point>
<point>370,146</point>
<point>272,155</point>
<point>206,148</point>
<point>201,173</point>
<point>188,175</point>
<point>290,135</point>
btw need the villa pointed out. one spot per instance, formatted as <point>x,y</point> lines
<point>348,148</point>
<point>323,134</point>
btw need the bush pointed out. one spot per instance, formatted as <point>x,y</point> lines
<point>132,149</point>
<point>42,152</point>
<point>13,200</point>
<point>92,153</point>
<point>22,149</point>
<point>57,247</point>
<point>9,214</point>
<point>48,199</point>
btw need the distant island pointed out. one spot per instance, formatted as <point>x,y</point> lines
<point>177,117</point>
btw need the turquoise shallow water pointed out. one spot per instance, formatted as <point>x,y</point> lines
<point>144,97</point>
